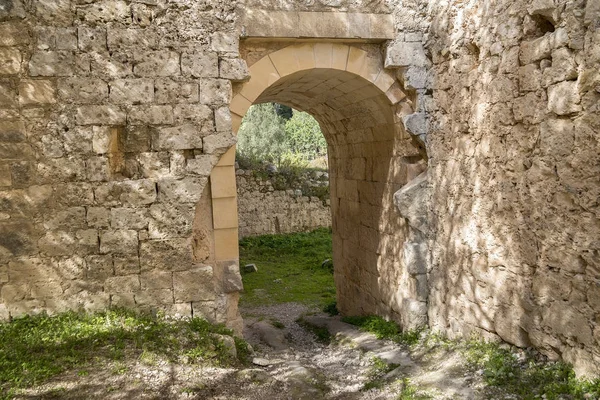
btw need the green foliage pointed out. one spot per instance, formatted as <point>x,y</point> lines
<point>322,333</point>
<point>411,392</point>
<point>289,268</point>
<point>36,348</point>
<point>331,308</point>
<point>379,368</point>
<point>529,376</point>
<point>384,329</point>
<point>270,133</point>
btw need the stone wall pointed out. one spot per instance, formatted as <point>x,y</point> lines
<point>511,90</point>
<point>265,207</point>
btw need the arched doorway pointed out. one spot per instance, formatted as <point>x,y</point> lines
<point>359,106</point>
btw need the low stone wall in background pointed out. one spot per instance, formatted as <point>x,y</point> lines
<point>269,204</point>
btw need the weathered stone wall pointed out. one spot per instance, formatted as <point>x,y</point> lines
<point>112,116</point>
<point>512,94</point>
<point>268,208</point>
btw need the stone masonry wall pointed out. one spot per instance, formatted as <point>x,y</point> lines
<point>112,116</point>
<point>263,209</point>
<point>511,90</point>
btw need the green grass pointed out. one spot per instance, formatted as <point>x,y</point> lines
<point>411,392</point>
<point>383,329</point>
<point>321,333</point>
<point>289,269</point>
<point>379,368</point>
<point>36,348</point>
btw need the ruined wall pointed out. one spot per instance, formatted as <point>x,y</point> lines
<point>512,94</point>
<point>112,115</point>
<point>266,207</point>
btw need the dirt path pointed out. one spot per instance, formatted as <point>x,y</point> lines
<point>289,363</point>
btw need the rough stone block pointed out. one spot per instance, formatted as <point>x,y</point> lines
<point>530,78</point>
<point>136,139</point>
<point>157,63</point>
<point>563,98</point>
<point>105,11</point>
<point>170,221</point>
<point>196,113</point>
<point>73,217</point>
<point>82,90</point>
<point>215,91</point>
<point>414,257</point>
<point>404,54</point>
<point>36,92</point>
<point>122,284</point>
<point>563,68</point>
<point>131,39</point>
<point>111,64</point>
<point>151,115</point>
<point>201,165</point>
<point>119,241</point>
<point>63,243</point>
<point>101,139</point>
<point>413,202</point>
<point>232,280</point>
<point>73,194</point>
<point>196,284</point>
<point>13,34</point>
<point>100,115</point>
<point>225,42</point>
<point>234,69</point>
<point>168,255</point>
<point>99,267</point>
<point>52,63</point>
<point>128,193</point>
<point>200,65</point>
<point>154,165</point>
<point>413,314</point>
<point>8,94</point>
<point>182,137</point>
<point>223,119</point>
<point>170,91</point>
<point>10,61</point>
<point>187,190</point>
<point>91,39</point>
<point>126,264</point>
<point>218,144</point>
<point>128,218</point>
<point>132,91</point>
<point>66,39</point>
<point>156,280</point>
<point>55,12</point>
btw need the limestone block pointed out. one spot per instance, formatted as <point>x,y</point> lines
<point>100,115</point>
<point>156,280</point>
<point>131,91</point>
<point>8,98</point>
<point>73,194</point>
<point>36,92</point>
<point>413,202</point>
<point>219,143</point>
<point>415,78</point>
<point>136,139</point>
<point>170,91</point>
<point>215,91</point>
<point>78,141</point>
<point>62,243</point>
<point>131,39</point>
<point>201,165</point>
<point>151,115</point>
<point>129,218</point>
<point>234,69</point>
<point>196,113</point>
<point>169,255</point>
<point>5,178</point>
<point>592,13</point>
<point>126,264</point>
<point>128,193</point>
<point>186,190</point>
<point>225,42</point>
<point>122,284</point>
<point>413,314</point>
<point>66,39</point>
<point>404,54</point>
<point>12,34</point>
<point>546,8</point>
<point>104,11</point>
<point>119,241</point>
<point>416,124</point>
<point>101,139</point>
<point>530,78</point>
<point>200,65</point>
<point>91,39</point>
<point>540,48</point>
<point>73,218</point>
<point>563,67</point>
<point>563,98</point>
<point>98,217</point>
<point>154,165</point>
<point>232,280</point>
<point>157,63</point>
<point>10,61</point>
<point>414,257</point>
<point>170,221</point>
<point>182,137</point>
<point>55,12</point>
<point>196,284</point>
<point>52,63</point>
<point>110,64</point>
<point>82,90</point>
<point>98,267</point>
<point>223,119</point>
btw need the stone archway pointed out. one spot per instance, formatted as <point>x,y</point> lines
<point>359,106</point>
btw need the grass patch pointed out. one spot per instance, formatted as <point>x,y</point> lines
<point>36,348</point>
<point>411,392</point>
<point>321,332</point>
<point>528,375</point>
<point>383,329</point>
<point>379,368</point>
<point>289,269</point>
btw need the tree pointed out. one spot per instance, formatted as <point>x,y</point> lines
<point>303,135</point>
<point>262,133</point>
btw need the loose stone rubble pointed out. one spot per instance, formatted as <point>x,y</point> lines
<point>117,185</point>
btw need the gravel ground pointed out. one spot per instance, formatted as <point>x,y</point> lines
<point>290,364</point>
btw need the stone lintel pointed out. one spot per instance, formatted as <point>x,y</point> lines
<point>323,25</point>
